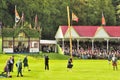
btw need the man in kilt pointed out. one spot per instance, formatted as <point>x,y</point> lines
<point>114,62</point>
<point>69,65</point>
<point>25,63</point>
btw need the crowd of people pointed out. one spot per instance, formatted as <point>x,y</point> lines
<point>83,52</point>
<point>100,50</point>
<point>21,49</point>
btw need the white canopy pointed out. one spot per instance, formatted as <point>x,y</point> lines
<point>48,42</point>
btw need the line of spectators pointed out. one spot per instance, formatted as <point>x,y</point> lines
<point>100,50</point>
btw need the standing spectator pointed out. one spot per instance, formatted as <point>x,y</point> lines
<point>12,65</point>
<point>46,62</point>
<point>109,58</point>
<point>114,62</point>
<point>6,70</point>
<point>9,66</point>
<point>70,65</point>
<point>25,62</point>
<point>19,67</point>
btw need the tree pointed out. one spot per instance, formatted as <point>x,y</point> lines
<point>53,13</point>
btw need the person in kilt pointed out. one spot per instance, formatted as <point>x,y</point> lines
<point>46,62</point>
<point>25,63</point>
<point>114,62</point>
<point>69,65</point>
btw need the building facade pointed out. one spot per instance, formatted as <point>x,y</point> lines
<point>20,40</point>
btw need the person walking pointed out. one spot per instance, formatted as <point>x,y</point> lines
<point>46,62</point>
<point>7,69</point>
<point>25,62</point>
<point>9,66</point>
<point>19,68</point>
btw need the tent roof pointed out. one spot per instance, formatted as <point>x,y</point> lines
<point>48,42</point>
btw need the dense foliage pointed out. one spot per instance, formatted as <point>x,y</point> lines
<point>52,13</point>
<point>13,32</point>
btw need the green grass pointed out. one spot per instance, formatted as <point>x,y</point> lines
<point>0,44</point>
<point>82,69</point>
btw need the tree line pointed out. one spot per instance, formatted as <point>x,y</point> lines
<point>53,13</point>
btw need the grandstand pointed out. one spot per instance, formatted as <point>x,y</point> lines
<point>90,41</point>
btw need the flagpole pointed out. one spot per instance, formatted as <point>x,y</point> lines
<point>35,21</point>
<point>22,18</point>
<point>15,16</point>
<point>69,27</point>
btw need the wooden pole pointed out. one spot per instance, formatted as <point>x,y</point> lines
<point>69,27</point>
<point>15,16</point>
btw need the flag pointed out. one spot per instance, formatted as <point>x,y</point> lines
<point>17,17</point>
<point>36,19</point>
<point>103,19</point>
<point>22,18</point>
<point>74,17</point>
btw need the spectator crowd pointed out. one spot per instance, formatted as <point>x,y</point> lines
<point>84,51</point>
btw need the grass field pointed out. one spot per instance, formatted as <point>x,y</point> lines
<point>82,69</point>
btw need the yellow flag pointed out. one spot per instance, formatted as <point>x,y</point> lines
<point>74,17</point>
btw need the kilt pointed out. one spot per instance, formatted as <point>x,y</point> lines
<point>25,64</point>
<point>114,64</point>
<point>69,65</point>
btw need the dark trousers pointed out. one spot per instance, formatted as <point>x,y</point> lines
<point>12,67</point>
<point>47,66</point>
<point>19,72</point>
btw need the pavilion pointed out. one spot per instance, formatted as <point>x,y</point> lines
<point>88,33</point>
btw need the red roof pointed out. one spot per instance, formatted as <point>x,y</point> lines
<point>113,31</point>
<point>86,31</point>
<point>89,31</point>
<point>64,29</point>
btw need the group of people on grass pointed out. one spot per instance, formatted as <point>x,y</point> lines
<point>110,58</point>
<point>9,67</point>
<point>10,64</point>
<point>113,59</point>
